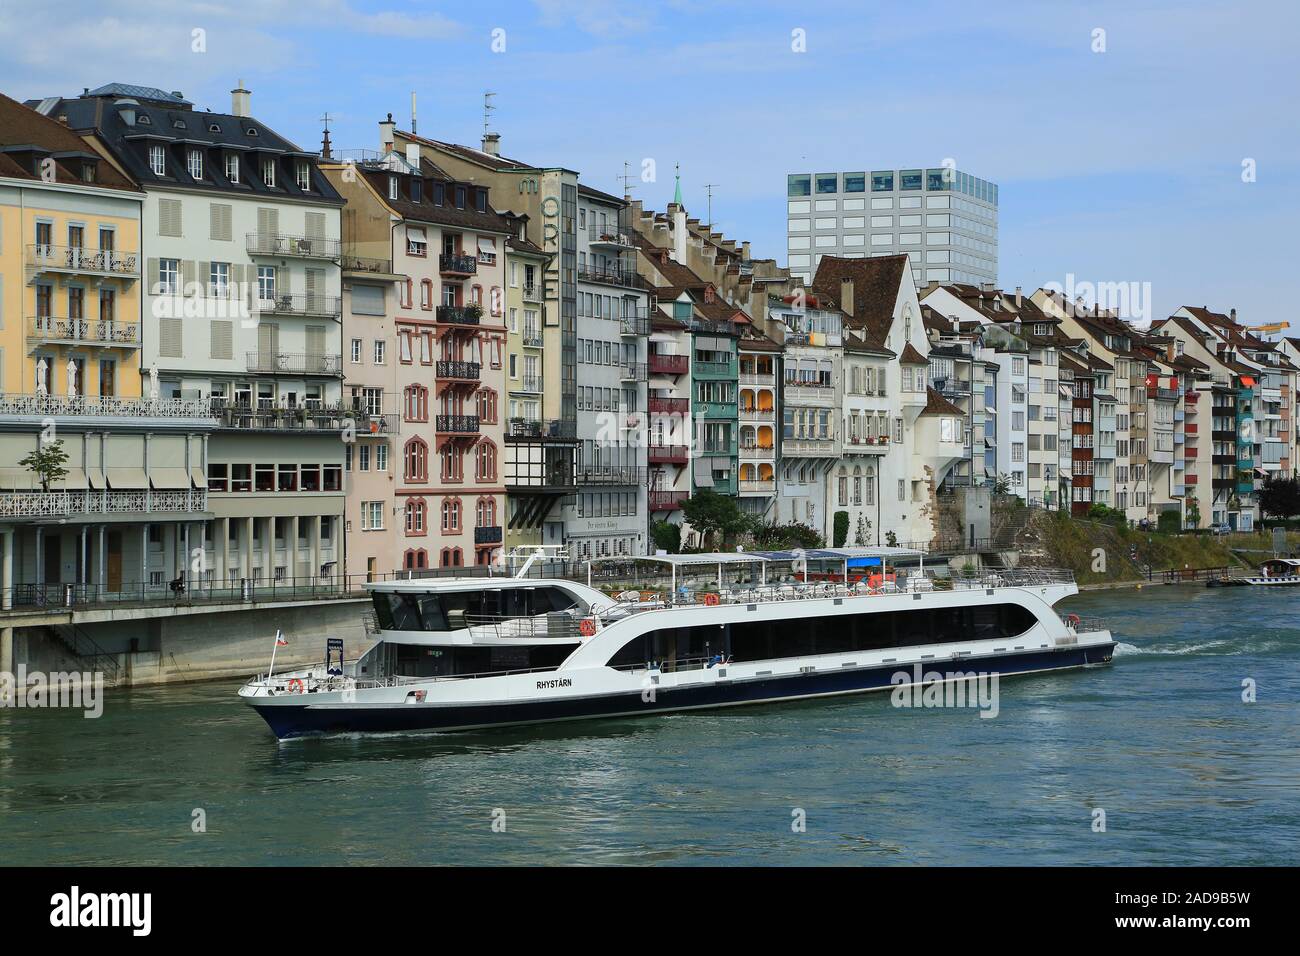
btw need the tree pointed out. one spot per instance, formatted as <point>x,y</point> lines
<point>1193,513</point>
<point>1280,497</point>
<point>841,529</point>
<point>47,463</point>
<point>710,514</point>
<point>860,538</point>
<point>1002,485</point>
<point>891,539</point>
<point>779,537</point>
<point>667,536</point>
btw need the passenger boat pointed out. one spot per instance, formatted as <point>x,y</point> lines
<point>720,629</point>
<point>1277,572</point>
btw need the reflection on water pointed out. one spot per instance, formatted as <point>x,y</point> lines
<point>1161,740</point>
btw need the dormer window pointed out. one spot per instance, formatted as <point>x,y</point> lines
<point>416,190</point>
<point>157,161</point>
<point>251,131</point>
<point>232,167</point>
<point>268,173</point>
<point>144,120</point>
<point>460,197</point>
<point>392,187</point>
<point>437,194</point>
<point>480,200</point>
<point>88,172</point>
<point>304,176</point>
<point>194,163</point>
<point>214,128</point>
<point>179,123</point>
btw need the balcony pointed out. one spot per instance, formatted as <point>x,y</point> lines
<point>468,372</point>
<point>302,363</point>
<point>56,504</point>
<point>553,430</point>
<point>809,448</point>
<point>714,370</point>
<point>459,314</point>
<point>634,325</point>
<point>624,278</point>
<point>294,247</point>
<point>633,372</point>
<point>13,405</point>
<point>767,415</point>
<point>362,265</point>
<point>757,378</point>
<point>58,330</point>
<point>866,446</point>
<point>533,293</point>
<point>608,236</point>
<point>315,306</point>
<point>667,500</point>
<point>669,406</point>
<point>456,424</point>
<point>662,363</point>
<point>599,474</point>
<point>532,338</point>
<point>530,384</point>
<point>452,264</point>
<point>758,486</point>
<point>335,418</point>
<point>78,260</point>
<point>757,452</point>
<point>668,454</point>
<point>487,534</point>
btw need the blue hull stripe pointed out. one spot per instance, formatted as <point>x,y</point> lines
<point>292,721</point>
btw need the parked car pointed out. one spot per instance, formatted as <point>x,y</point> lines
<point>1219,528</point>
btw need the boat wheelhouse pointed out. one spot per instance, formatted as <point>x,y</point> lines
<point>673,632</point>
<point>1276,572</point>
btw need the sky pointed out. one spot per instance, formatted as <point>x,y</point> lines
<point>1141,142</point>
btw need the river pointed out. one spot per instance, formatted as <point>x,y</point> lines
<point>1161,741</point>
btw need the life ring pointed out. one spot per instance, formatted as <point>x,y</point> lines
<point>711,599</point>
<point>587,627</point>
<point>296,686</point>
<point>1072,620</point>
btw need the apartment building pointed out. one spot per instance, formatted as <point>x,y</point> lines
<point>446,345</point>
<point>668,407</point>
<point>945,221</point>
<point>131,510</point>
<point>760,371</point>
<point>241,307</point>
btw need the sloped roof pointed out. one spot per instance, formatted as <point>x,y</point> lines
<point>875,288</point>
<point>936,404</point>
<point>21,126</point>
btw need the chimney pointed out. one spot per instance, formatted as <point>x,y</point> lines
<point>239,100</point>
<point>492,144</point>
<point>1018,297</point>
<point>744,250</point>
<point>846,296</point>
<point>386,128</point>
<point>1233,316</point>
<point>986,286</point>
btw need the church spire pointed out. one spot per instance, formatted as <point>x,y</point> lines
<point>677,197</point>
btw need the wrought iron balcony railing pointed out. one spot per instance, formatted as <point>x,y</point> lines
<point>460,371</point>
<point>664,364</point>
<point>619,277</point>
<point>79,259</point>
<point>459,314</point>
<point>453,264</point>
<point>457,424</point>
<point>365,264</point>
<point>487,534</point>
<point>554,430</point>
<point>101,406</point>
<point>108,333</point>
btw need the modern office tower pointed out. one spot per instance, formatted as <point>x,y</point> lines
<point>944,220</point>
<point>240,245</point>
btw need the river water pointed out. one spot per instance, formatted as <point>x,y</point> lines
<point>1161,741</point>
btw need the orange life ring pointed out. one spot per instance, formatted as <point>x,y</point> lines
<point>710,599</point>
<point>587,627</point>
<point>299,688</point>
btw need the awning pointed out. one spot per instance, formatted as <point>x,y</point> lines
<point>74,479</point>
<point>486,244</point>
<point>129,477</point>
<point>169,478</point>
<point>197,476</point>
<point>702,471</point>
<point>95,476</point>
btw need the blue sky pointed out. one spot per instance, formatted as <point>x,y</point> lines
<point>1115,166</point>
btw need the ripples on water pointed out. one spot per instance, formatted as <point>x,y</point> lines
<point>1161,741</point>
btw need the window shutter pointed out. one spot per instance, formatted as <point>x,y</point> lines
<point>315,340</point>
<point>187,275</point>
<point>154,278</point>
<point>204,275</point>
<point>219,221</point>
<point>268,221</point>
<point>222,344</point>
<point>169,338</point>
<point>315,225</point>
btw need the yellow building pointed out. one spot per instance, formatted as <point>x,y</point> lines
<point>69,263</point>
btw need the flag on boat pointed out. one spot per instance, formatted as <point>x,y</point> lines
<point>281,640</point>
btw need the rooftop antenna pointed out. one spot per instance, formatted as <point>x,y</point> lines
<point>413,129</point>
<point>708,188</point>
<point>488,109</point>
<point>627,179</point>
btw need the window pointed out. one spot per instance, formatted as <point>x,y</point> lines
<point>372,516</point>
<point>356,351</point>
<point>486,459</point>
<point>379,351</point>
<point>416,512</point>
<point>416,241</point>
<point>827,183</point>
<point>194,163</point>
<point>451,516</point>
<point>157,161</point>
<point>169,276</point>
<point>266,283</point>
<point>304,176</point>
<point>268,173</point>
<point>855,182</point>
<point>232,167</point>
<point>417,460</point>
<point>416,403</point>
<point>799,185</point>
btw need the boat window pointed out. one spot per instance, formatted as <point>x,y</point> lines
<point>431,616</point>
<point>397,612</point>
<point>772,640</point>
